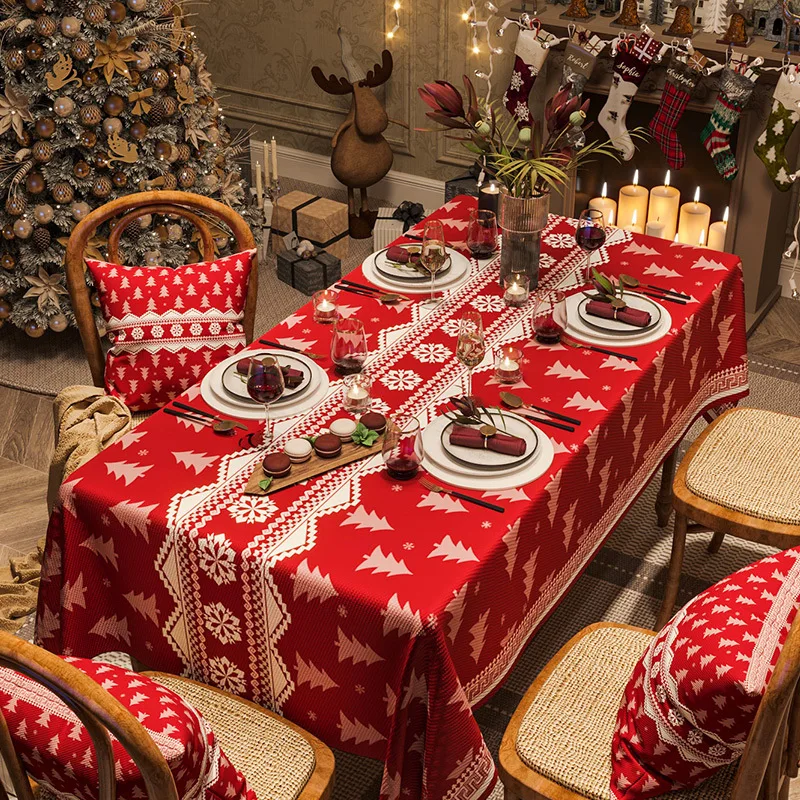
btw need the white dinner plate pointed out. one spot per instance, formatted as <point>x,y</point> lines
<point>614,326</point>
<point>234,383</point>
<point>406,272</point>
<point>458,274</point>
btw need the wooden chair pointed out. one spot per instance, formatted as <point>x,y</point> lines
<point>557,745</point>
<point>740,477</point>
<point>280,760</point>
<point>186,205</point>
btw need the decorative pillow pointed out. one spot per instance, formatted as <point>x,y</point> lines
<point>169,326</point>
<point>57,752</point>
<point>691,701</point>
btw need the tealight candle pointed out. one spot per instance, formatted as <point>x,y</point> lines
<point>694,219</point>
<point>664,206</point>
<point>489,198</point>
<point>655,228</point>
<point>325,310</point>
<point>507,367</point>
<point>634,226</point>
<point>356,393</point>
<point>633,199</point>
<point>717,233</point>
<point>606,205</point>
<point>517,289</point>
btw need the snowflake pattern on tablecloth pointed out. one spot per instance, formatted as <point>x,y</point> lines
<point>488,303</point>
<point>451,327</point>
<point>217,558</point>
<point>432,353</point>
<point>249,509</point>
<point>226,675</point>
<point>224,625</point>
<point>560,241</point>
<point>399,380</point>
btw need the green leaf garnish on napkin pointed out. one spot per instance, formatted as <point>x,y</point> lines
<point>364,436</point>
<point>265,484</point>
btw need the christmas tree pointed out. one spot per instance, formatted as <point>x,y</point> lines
<point>97,100</point>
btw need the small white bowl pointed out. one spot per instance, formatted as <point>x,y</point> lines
<point>298,450</point>
<point>343,428</point>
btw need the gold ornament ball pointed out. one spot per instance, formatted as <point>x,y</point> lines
<point>23,228</point>
<point>152,258</point>
<point>15,59</point>
<point>8,231</point>
<point>94,298</point>
<point>45,127</point>
<point>63,106</point>
<point>81,170</point>
<point>138,131</point>
<point>36,6</point>
<point>170,182</point>
<point>34,329</point>
<point>57,323</point>
<point>158,78</point>
<point>137,5</point>
<point>163,149</point>
<point>24,140</point>
<point>94,14</point>
<point>90,115</point>
<point>62,193</point>
<point>146,220</point>
<point>45,26</point>
<point>34,52</point>
<point>7,261</point>
<point>174,70</point>
<point>102,186</point>
<point>3,291</point>
<point>43,213</point>
<point>34,183</point>
<point>79,210</point>
<point>186,177</point>
<point>16,205</point>
<point>119,179</point>
<point>91,78</point>
<point>117,12</point>
<point>42,152</point>
<point>87,139</point>
<point>174,232</point>
<point>81,50</point>
<point>70,27</point>
<point>112,125</point>
<point>143,61</point>
<point>5,309</point>
<point>162,232</point>
<point>114,105</point>
<point>101,161</point>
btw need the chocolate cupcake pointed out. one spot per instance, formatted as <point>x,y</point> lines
<point>328,445</point>
<point>276,465</point>
<point>374,421</point>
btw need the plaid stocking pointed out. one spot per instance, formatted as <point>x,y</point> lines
<point>630,66</point>
<point>529,56</point>
<point>681,80</point>
<point>734,93</point>
<point>783,118</point>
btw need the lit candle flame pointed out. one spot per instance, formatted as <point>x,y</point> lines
<point>676,238</point>
<point>725,215</point>
<point>604,193</point>
<point>636,178</point>
<point>702,237</point>
<point>465,16</point>
<point>666,178</point>
<point>611,216</point>
<point>697,195</point>
<point>396,5</point>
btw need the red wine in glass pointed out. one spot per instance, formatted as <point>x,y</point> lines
<point>549,316</point>
<point>265,384</point>
<point>402,447</point>
<point>402,468</point>
<point>590,235</point>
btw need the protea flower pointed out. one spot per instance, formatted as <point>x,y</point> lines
<point>443,98</point>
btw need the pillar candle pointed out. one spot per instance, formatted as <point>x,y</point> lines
<point>489,198</point>
<point>717,233</point>
<point>693,223</point>
<point>664,206</point>
<point>274,160</point>
<point>606,206</point>
<point>632,199</point>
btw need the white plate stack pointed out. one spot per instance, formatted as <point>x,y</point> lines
<point>458,274</point>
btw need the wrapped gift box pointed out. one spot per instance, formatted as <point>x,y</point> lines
<point>388,228</point>
<point>322,221</point>
<point>309,275</point>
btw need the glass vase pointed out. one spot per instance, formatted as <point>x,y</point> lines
<point>522,220</point>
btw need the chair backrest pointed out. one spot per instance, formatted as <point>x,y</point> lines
<point>186,205</point>
<point>100,713</point>
<point>771,755</point>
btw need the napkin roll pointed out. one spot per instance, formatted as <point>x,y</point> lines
<point>630,316</point>
<point>463,436</point>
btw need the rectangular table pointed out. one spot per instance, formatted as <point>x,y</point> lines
<point>374,613</point>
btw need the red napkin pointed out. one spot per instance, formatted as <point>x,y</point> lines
<point>630,316</point>
<point>400,255</point>
<point>292,377</point>
<point>499,443</point>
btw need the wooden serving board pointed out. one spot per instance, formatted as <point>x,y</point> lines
<point>313,467</point>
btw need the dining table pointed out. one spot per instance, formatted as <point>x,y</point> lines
<point>374,612</point>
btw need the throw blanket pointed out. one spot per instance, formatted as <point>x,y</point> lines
<point>86,421</point>
<point>18,591</point>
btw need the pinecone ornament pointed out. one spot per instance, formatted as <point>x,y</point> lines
<point>41,238</point>
<point>156,114</point>
<point>170,182</point>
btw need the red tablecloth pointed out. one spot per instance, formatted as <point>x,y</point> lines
<point>371,612</point>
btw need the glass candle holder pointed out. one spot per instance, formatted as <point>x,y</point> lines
<point>507,367</point>
<point>356,393</point>
<point>517,287</point>
<point>325,310</point>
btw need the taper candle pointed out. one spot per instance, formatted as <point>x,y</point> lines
<point>632,198</point>
<point>259,187</point>
<point>266,164</point>
<point>605,205</point>
<point>665,203</point>
<point>274,160</point>
<point>693,223</point>
<point>717,233</point>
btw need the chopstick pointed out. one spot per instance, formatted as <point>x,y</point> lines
<point>370,288</point>
<point>554,414</point>
<point>191,417</point>
<point>269,343</point>
<point>541,421</point>
<point>665,297</point>
<point>668,291</point>
<point>360,292</point>
<point>193,410</point>
<point>602,350</point>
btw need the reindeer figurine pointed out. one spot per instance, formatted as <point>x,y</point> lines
<point>361,156</point>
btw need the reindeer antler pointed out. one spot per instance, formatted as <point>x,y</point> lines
<point>380,73</point>
<point>331,84</point>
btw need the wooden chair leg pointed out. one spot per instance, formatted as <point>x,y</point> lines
<point>716,542</point>
<point>674,571</point>
<point>664,499</point>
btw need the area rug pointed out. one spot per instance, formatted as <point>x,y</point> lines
<point>47,365</point>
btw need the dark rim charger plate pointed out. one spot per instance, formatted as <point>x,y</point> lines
<point>382,265</point>
<point>230,374</point>
<point>468,456</point>
<point>600,323</point>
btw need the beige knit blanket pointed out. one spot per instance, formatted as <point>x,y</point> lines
<point>19,586</point>
<point>86,422</point>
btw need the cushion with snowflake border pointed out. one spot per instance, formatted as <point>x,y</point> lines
<point>57,752</point>
<point>690,703</point>
<point>169,326</point>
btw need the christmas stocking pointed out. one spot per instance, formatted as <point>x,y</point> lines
<point>529,57</point>
<point>580,57</point>
<point>735,91</point>
<point>630,66</point>
<point>681,80</point>
<point>782,121</point>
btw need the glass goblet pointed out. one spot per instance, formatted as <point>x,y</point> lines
<point>482,233</point>
<point>402,447</point>
<point>471,345</point>
<point>265,384</point>
<point>590,235</point>
<point>550,316</point>
<point>433,256</point>
<point>348,346</point>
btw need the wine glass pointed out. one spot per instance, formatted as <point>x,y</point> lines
<point>265,385</point>
<point>402,447</point>
<point>348,346</point>
<point>482,233</point>
<point>471,346</point>
<point>434,255</point>
<point>590,235</point>
<point>550,316</point>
